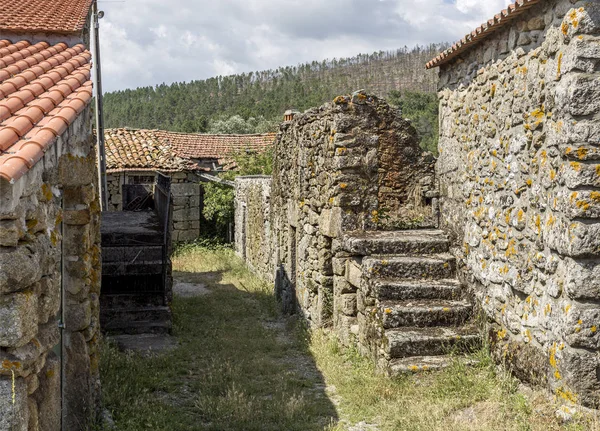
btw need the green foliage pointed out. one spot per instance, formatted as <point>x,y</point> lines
<point>219,198</point>
<point>423,111</point>
<point>260,98</point>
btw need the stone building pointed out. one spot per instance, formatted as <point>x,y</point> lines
<point>346,229</point>
<point>519,177</point>
<point>49,218</point>
<point>135,156</point>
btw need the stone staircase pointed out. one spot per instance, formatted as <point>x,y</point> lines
<point>136,275</point>
<point>413,313</point>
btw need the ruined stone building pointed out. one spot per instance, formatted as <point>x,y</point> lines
<point>135,156</point>
<point>49,218</point>
<point>506,222</point>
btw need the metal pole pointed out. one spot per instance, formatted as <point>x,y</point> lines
<point>99,110</point>
<point>62,324</point>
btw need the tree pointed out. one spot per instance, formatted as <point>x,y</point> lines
<point>423,111</point>
<point>219,198</point>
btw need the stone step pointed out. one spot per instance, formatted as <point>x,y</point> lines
<point>135,314</point>
<point>400,289</point>
<point>405,342</point>
<point>424,312</point>
<point>116,327</point>
<point>435,266</point>
<point>418,241</point>
<point>417,364</point>
<point>136,268</point>
<point>126,300</point>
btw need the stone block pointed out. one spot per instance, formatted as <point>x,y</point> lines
<point>14,411</point>
<point>78,315</point>
<point>20,267</point>
<point>49,298</point>
<point>580,325</point>
<point>347,304</point>
<point>579,382</point>
<point>77,217</point>
<point>185,214</point>
<point>10,232</point>
<point>341,286</point>
<point>76,171</point>
<point>582,279</point>
<point>354,272</point>
<point>339,265</point>
<point>18,318</point>
<point>185,189</point>
<point>330,222</point>
<point>48,395</point>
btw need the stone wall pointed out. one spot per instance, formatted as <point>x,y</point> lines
<point>187,200</point>
<point>520,186</point>
<point>353,164</point>
<point>253,224</point>
<point>49,243</point>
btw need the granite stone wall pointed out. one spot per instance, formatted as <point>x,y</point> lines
<point>50,255</point>
<point>353,164</point>
<point>519,178</point>
<point>253,224</point>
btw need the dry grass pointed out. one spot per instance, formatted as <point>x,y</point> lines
<point>242,366</point>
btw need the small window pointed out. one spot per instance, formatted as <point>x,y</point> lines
<point>140,179</point>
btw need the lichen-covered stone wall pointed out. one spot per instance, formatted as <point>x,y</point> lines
<point>353,164</point>
<point>49,242</point>
<point>520,190</point>
<point>253,224</point>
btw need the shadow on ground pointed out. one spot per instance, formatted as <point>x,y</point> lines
<point>239,365</point>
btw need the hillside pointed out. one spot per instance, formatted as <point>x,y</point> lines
<point>191,106</point>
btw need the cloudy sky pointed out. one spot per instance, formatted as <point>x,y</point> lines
<point>147,42</point>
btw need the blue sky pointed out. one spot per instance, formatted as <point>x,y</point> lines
<point>147,42</point>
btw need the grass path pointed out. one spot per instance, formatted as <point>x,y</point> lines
<point>240,365</point>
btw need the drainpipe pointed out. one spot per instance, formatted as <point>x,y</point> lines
<point>96,15</point>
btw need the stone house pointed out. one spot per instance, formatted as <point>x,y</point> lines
<point>135,156</point>
<point>519,178</point>
<point>49,218</point>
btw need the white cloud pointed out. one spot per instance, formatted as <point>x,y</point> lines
<point>147,42</point>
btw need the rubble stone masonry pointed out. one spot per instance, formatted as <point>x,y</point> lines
<point>353,164</point>
<point>519,177</point>
<point>253,224</point>
<point>49,242</point>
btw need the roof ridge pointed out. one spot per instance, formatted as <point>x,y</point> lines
<point>483,31</point>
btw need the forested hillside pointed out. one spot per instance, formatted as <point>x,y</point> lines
<point>263,96</point>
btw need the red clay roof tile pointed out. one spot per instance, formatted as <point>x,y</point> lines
<point>132,149</point>
<point>56,16</point>
<point>482,32</point>
<point>43,93</point>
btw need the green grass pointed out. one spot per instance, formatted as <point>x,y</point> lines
<point>240,365</point>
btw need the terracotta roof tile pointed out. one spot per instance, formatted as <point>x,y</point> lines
<point>43,89</point>
<point>133,149</point>
<point>219,147</point>
<point>56,16</point>
<point>482,32</point>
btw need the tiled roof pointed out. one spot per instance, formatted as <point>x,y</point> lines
<point>43,89</point>
<point>205,146</point>
<point>482,32</point>
<point>56,16</point>
<point>136,150</point>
